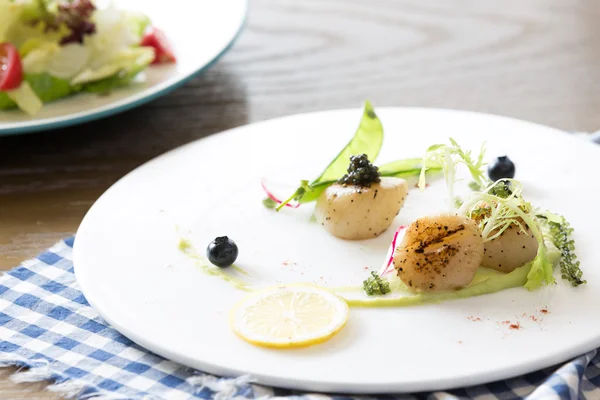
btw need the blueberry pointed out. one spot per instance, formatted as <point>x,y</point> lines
<point>501,168</point>
<point>222,252</point>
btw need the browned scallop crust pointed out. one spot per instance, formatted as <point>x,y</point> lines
<point>439,253</point>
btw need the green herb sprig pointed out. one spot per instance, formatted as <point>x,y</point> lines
<point>561,233</point>
<point>375,285</point>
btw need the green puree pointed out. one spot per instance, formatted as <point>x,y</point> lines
<point>485,281</point>
<point>186,247</point>
<point>493,283</point>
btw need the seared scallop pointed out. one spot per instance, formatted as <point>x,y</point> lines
<point>512,249</point>
<point>439,253</point>
<point>355,212</point>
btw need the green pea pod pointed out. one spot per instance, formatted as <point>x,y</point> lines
<point>367,140</point>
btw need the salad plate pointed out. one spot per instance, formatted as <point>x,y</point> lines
<point>198,33</point>
<point>139,254</point>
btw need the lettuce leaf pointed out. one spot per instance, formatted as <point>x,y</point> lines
<point>10,14</point>
<point>124,76</point>
<point>49,88</point>
<point>119,80</point>
<point>137,23</point>
<point>63,62</point>
<point>5,102</point>
<point>25,98</point>
<point>46,87</point>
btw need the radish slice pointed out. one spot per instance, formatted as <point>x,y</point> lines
<point>390,254</point>
<point>275,198</point>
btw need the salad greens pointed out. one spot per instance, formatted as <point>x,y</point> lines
<point>26,98</point>
<point>503,188</point>
<point>66,47</point>
<point>72,17</point>
<point>123,77</point>
<point>368,140</point>
<point>46,87</point>
<point>441,155</point>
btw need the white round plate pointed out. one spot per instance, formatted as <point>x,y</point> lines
<point>199,31</point>
<point>130,268</point>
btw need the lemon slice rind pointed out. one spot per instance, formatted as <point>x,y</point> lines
<point>265,318</point>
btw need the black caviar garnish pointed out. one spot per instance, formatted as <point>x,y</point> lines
<point>361,172</point>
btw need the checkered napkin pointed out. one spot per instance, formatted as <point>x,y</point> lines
<point>48,328</point>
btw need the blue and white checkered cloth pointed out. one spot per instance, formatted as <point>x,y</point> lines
<point>47,326</point>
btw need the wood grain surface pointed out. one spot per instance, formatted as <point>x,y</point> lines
<point>537,60</point>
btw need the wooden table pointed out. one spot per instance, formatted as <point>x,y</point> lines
<point>537,60</point>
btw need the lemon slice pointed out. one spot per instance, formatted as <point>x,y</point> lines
<point>289,316</point>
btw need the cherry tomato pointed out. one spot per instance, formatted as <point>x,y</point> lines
<point>11,70</point>
<point>155,38</point>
